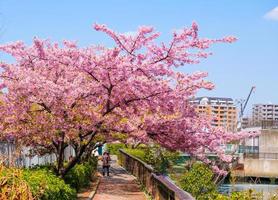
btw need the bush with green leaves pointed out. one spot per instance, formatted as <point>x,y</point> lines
<point>80,175</point>
<point>93,161</point>
<point>160,158</point>
<point>198,181</point>
<point>138,153</point>
<point>12,185</point>
<point>156,156</point>
<point>244,195</point>
<point>114,148</point>
<point>44,185</point>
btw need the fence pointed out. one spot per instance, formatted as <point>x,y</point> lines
<point>158,186</point>
<point>9,155</point>
<point>248,149</point>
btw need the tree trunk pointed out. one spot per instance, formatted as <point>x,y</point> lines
<point>80,152</point>
<point>73,162</point>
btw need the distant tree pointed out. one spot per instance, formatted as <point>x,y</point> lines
<point>66,95</point>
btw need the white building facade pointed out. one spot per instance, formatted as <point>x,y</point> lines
<point>264,112</point>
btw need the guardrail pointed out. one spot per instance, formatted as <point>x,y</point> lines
<point>271,156</point>
<point>269,124</point>
<point>160,187</point>
<point>248,149</point>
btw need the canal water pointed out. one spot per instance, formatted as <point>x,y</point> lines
<point>266,189</point>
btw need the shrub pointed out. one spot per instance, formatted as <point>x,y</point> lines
<point>156,156</point>
<point>160,158</point>
<point>46,186</point>
<point>244,195</point>
<point>114,148</point>
<point>199,182</point>
<point>80,175</point>
<point>93,161</point>
<point>138,153</point>
<point>23,184</point>
<point>12,186</point>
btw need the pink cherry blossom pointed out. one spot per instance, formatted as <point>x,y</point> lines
<point>61,95</point>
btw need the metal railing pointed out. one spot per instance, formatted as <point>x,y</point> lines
<point>270,156</point>
<point>269,124</point>
<point>248,149</point>
<point>160,187</point>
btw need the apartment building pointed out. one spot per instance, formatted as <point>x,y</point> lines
<point>222,111</point>
<point>264,112</point>
<point>246,122</point>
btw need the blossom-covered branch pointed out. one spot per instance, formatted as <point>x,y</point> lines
<point>61,95</point>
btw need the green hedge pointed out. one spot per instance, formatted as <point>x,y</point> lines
<point>138,153</point>
<point>41,182</point>
<point>159,158</point>
<point>80,175</point>
<point>45,185</point>
<point>114,148</point>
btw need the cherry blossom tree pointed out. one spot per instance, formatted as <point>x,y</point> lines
<point>60,95</point>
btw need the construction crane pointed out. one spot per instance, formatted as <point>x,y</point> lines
<point>243,104</point>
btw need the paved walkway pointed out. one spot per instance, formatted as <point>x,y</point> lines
<point>119,185</point>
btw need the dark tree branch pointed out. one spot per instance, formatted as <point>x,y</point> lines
<point>166,56</point>
<point>45,107</point>
<point>77,158</point>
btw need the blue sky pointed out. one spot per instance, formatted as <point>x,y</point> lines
<point>253,60</point>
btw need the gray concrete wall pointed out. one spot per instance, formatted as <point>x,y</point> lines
<point>268,141</point>
<point>265,164</point>
<point>260,168</point>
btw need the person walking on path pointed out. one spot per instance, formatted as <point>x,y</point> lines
<point>121,186</point>
<point>105,163</point>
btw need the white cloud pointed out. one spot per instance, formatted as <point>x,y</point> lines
<point>272,15</point>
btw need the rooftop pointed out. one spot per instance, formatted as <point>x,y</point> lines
<point>212,100</point>
<point>215,98</point>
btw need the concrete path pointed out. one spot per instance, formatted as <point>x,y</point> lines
<point>119,185</point>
